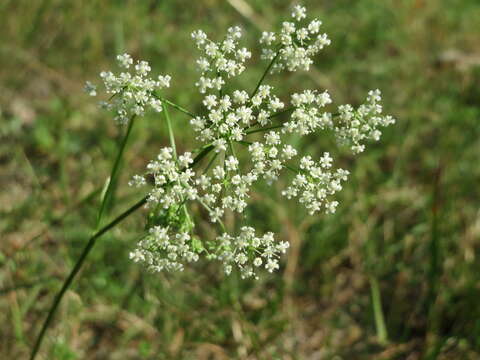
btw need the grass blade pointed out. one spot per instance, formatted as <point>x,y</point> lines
<point>382,333</point>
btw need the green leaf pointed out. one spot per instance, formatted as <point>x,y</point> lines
<point>197,245</point>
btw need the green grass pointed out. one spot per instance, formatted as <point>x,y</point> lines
<point>392,275</point>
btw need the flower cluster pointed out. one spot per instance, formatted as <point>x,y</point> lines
<point>354,127</point>
<point>131,92</point>
<point>225,189</point>
<point>161,250</point>
<point>229,116</point>
<point>219,59</point>
<point>270,158</point>
<point>248,252</point>
<point>296,44</point>
<point>173,179</point>
<point>229,121</point>
<point>315,184</point>
<point>306,117</point>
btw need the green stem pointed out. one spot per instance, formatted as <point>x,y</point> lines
<point>170,130</point>
<point>282,112</point>
<point>204,152</point>
<point>178,107</point>
<point>232,150</point>
<point>292,169</point>
<point>114,171</point>
<point>174,147</point>
<point>220,222</point>
<point>271,117</point>
<point>265,73</point>
<point>90,244</point>
<point>253,131</point>
<point>187,215</point>
<point>243,142</point>
<point>210,163</point>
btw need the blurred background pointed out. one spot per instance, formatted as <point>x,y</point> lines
<point>394,274</point>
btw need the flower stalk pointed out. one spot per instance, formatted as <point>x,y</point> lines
<point>113,173</point>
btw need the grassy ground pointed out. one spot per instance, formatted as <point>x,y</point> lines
<point>394,274</point>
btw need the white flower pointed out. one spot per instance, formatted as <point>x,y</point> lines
<point>247,252</point>
<point>164,81</point>
<point>221,59</point>
<point>267,38</point>
<point>200,37</point>
<point>315,184</point>
<point>90,89</point>
<point>299,12</point>
<point>326,161</point>
<point>124,60</point>
<point>185,160</point>
<point>231,163</point>
<point>131,93</point>
<point>243,54</point>
<point>314,26</point>
<point>302,35</point>
<point>160,250</point>
<point>220,145</point>
<point>229,115</point>
<point>272,265</point>
<point>289,152</point>
<point>142,68</point>
<point>177,175</point>
<point>137,181</point>
<point>257,262</point>
<point>354,127</point>
<point>307,116</point>
<point>272,138</point>
<point>298,45</point>
<point>240,96</point>
<point>210,101</point>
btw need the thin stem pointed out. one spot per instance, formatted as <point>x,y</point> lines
<point>222,225</point>
<point>204,152</point>
<point>272,116</point>
<point>232,150</point>
<point>210,163</point>
<point>90,244</point>
<point>243,142</point>
<point>292,169</point>
<point>265,73</point>
<point>113,173</point>
<point>170,130</point>
<point>253,131</point>
<point>178,107</point>
<point>201,148</point>
<point>282,112</point>
<point>190,222</point>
